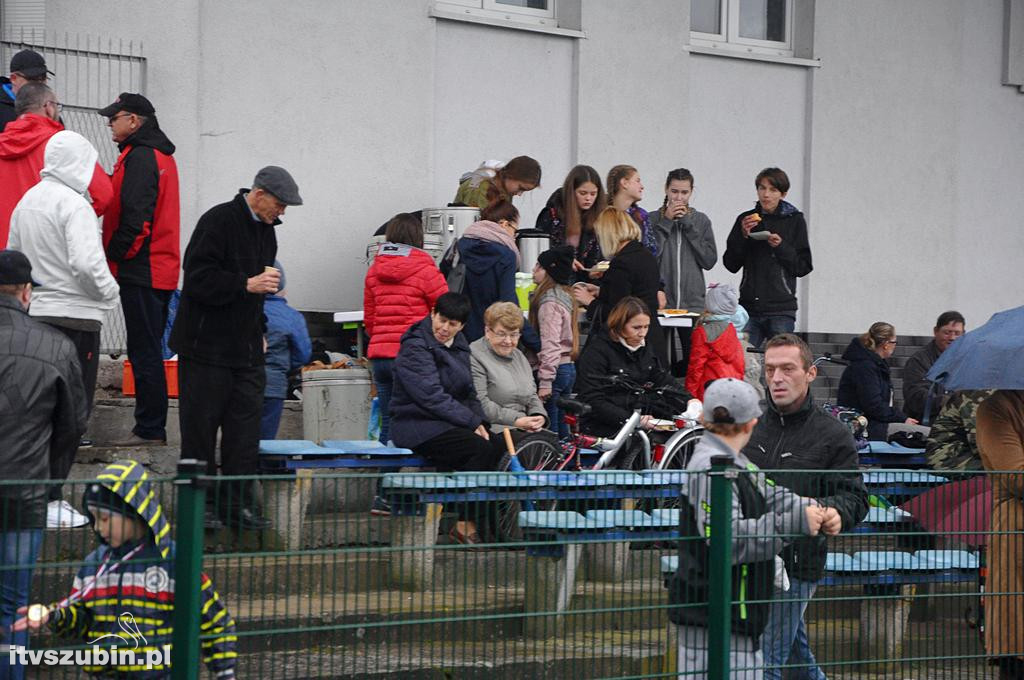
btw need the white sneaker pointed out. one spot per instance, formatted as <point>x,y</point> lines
<point>61,514</point>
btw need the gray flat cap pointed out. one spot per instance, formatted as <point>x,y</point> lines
<point>279,182</point>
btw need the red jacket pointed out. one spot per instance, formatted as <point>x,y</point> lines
<point>402,285</point>
<point>22,147</point>
<point>141,231</point>
<point>709,361</point>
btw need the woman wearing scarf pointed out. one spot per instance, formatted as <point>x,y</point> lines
<point>491,258</point>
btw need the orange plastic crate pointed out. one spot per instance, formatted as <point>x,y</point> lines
<point>170,370</point>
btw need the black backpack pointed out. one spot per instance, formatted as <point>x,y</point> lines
<point>454,269</point>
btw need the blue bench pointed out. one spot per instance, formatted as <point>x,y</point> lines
<point>884,568</point>
<point>885,454</point>
<point>897,483</point>
<point>278,455</point>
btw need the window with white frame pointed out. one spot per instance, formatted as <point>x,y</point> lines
<point>540,12</point>
<point>764,26</point>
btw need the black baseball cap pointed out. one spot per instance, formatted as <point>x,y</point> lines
<point>15,269</point>
<point>29,64</point>
<point>129,102</point>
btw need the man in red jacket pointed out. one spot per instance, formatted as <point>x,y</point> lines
<point>140,235</point>
<point>22,145</point>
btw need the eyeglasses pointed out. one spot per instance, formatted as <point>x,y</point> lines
<point>110,121</point>
<point>890,342</point>
<point>514,335</point>
<point>57,105</point>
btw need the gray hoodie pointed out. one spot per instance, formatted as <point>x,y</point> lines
<point>686,247</point>
<point>753,540</point>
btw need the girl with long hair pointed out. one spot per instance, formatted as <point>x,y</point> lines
<point>570,214</point>
<point>625,190</point>
<point>487,185</point>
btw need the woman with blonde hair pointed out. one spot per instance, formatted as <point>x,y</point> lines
<point>867,387</point>
<point>633,272</point>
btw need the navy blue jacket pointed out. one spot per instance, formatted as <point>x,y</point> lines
<point>288,344</point>
<point>490,277</point>
<point>433,388</point>
<point>867,387</point>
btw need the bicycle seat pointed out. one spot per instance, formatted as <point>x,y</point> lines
<point>572,406</point>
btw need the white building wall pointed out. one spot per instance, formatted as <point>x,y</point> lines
<point>905,152</point>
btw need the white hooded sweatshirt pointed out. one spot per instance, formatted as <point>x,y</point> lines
<point>57,229</point>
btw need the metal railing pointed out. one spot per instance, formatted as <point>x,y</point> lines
<point>333,591</point>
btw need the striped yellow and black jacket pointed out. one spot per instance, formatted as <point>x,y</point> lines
<point>135,601</point>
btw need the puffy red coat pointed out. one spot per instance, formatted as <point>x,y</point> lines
<point>709,361</point>
<point>402,285</point>
<point>22,148</point>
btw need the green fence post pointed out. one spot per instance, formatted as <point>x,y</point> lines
<point>188,565</point>
<point>723,471</point>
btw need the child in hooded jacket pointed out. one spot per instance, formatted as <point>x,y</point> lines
<point>715,348</point>
<point>125,589</point>
<point>554,311</point>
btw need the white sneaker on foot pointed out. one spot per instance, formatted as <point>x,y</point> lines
<point>61,514</point>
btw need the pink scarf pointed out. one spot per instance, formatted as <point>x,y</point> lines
<point>485,230</point>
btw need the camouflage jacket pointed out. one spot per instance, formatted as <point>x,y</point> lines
<point>953,441</point>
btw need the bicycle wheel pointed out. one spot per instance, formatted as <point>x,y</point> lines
<point>676,459</point>
<point>536,452</point>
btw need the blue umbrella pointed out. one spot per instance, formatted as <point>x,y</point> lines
<point>989,357</point>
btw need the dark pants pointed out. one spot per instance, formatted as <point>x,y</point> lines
<point>460,450</point>
<point>681,362</point>
<point>762,327</point>
<point>145,316</point>
<point>385,382</point>
<point>216,398</point>
<point>87,347</point>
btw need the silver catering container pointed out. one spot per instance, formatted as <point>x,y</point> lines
<point>447,223</point>
<point>532,242</point>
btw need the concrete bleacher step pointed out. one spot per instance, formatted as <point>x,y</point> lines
<point>476,613</point>
<point>590,654</point>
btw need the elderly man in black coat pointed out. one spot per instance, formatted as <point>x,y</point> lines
<point>219,335</point>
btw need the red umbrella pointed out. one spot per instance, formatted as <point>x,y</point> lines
<point>959,511</point>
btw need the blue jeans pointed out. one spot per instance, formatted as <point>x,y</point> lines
<point>763,327</point>
<point>384,380</point>
<point>17,549</point>
<point>784,640</point>
<point>273,407</point>
<point>565,378</point>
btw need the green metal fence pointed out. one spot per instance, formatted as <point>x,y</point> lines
<point>331,591</point>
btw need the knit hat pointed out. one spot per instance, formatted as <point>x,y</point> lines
<point>557,262</point>
<point>721,298</point>
<point>736,400</point>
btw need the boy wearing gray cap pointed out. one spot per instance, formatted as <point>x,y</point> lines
<point>764,518</point>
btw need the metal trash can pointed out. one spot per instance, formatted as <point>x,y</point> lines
<point>335,404</point>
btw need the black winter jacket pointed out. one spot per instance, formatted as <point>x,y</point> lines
<point>810,439</point>
<point>916,386</point>
<point>218,321</point>
<point>42,413</point>
<point>867,387</point>
<point>632,272</point>
<point>770,274</point>
<point>433,387</point>
<point>610,405</point>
